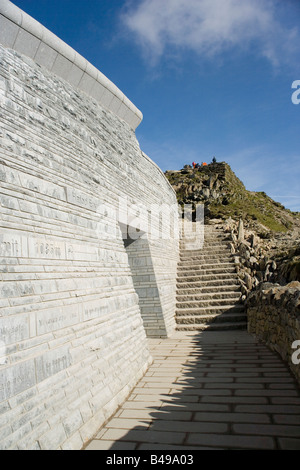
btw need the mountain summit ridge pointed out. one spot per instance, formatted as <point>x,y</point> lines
<point>224,195</point>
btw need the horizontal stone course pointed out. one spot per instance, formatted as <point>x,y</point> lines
<point>71,326</point>
<point>273,316</point>
<point>26,36</point>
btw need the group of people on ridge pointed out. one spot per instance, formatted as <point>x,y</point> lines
<point>197,165</point>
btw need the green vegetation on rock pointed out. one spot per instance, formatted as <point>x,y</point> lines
<point>224,195</point>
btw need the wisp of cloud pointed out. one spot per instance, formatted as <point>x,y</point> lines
<point>210,27</point>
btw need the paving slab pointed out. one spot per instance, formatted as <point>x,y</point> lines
<point>208,390</point>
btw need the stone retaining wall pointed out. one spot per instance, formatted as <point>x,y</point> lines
<point>274,317</point>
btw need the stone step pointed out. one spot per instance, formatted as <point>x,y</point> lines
<point>206,236</point>
<point>191,266</point>
<point>210,245</point>
<point>217,309</point>
<point>202,271</point>
<point>210,283</point>
<point>190,255</point>
<point>207,240</point>
<point>213,326</point>
<point>211,302</point>
<point>205,262</point>
<point>212,318</point>
<point>208,290</point>
<point>201,228</point>
<point>203,296</point>
<point>205,250</point>
<point>208,277</point>
<point>215,238</point>
<point>187,290</point>
<point>200,267</point>
<point>216,242</point>
<point>192,227</point>
<point>206,256</point>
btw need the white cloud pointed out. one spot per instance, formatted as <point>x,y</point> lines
<point>210,27</point>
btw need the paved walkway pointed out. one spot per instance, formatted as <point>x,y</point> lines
<point>208,390</point>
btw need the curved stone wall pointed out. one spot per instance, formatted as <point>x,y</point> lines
<point>27,36</point>
<point>83,274</point>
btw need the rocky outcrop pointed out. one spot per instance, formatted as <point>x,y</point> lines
<point>261,258</point>
<point>224,195</point>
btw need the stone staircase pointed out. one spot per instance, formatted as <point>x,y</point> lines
<point>208,290</point>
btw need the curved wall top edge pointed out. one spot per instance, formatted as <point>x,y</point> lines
<point>24,34</point>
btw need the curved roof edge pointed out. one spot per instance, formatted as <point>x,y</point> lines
<point>24,34</point>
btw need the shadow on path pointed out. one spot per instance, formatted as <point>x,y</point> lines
<point>211,390</point>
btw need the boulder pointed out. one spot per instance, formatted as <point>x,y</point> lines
<point>248,281</point>
<point>241,233</point>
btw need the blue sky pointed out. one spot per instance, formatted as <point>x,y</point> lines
<point>211,77</point>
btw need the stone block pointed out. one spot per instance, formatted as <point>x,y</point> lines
<point>73,443</point>
<point>34,28</point>
<point>79,198</point>
<point>62,67</point>
<point>106,98</point>
<point>75,75</point>
<point>97,91</point>
<point>45,55</point>
<point>26,43</point>
<point>87,83</point>
<point>52,439</point>
<point>17,378</point>
<point>11,12</point>
<point>80,61</point>
<point>8,32</point>
<point>12,244</point>
<point>72,423</point>
<point>14,329</point>
<point>46,248</point>
<point>52,362</point>
<point>115,105</point>
<point>56,318</point>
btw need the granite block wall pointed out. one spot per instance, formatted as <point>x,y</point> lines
<point>73,320</point>
<point>273,317</point>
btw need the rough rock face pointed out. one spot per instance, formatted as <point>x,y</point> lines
<point>258,260</point>
<point>224,195</point>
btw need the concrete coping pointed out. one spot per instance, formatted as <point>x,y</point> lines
<point>22,33</point>
<point>160,171</point>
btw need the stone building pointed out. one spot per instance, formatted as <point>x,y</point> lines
<point>87,259</point>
